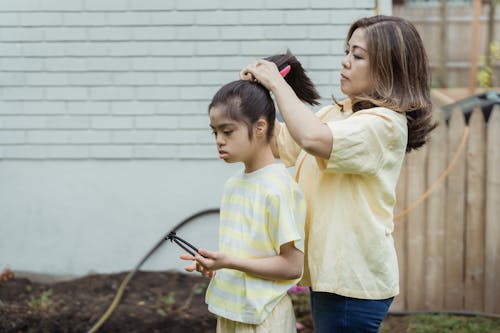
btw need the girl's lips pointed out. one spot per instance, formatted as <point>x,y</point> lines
<point>223,154</point>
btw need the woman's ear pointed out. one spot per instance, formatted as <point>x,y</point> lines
<point>261,128</point>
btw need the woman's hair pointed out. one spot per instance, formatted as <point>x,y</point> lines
<point>249,101</point>
<point>400,72</point>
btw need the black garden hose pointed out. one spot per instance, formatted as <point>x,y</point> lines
<point>129,276</point>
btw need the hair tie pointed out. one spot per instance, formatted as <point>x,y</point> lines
<point>284,72</point>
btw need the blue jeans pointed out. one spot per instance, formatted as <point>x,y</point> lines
<point>333,313</point>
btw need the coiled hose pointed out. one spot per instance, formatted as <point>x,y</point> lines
<point>129,276</point>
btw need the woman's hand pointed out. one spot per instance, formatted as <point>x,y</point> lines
<point>262,71</point>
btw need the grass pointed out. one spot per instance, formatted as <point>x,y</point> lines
<point>435,323</point>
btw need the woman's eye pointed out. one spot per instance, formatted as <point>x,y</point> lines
<point>357,56</point>
<point>346,52</point>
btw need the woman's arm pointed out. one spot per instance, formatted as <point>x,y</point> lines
<point>285,266</point>
<point>306,129</point>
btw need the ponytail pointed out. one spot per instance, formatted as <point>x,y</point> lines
<point>248,101</point>
<point>297,77</point>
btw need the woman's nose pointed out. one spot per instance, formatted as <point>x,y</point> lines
<point>345,61</point>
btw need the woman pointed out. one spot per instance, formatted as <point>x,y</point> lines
<point>348,158</point>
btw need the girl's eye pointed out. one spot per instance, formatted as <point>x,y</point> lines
<point>227,132</point>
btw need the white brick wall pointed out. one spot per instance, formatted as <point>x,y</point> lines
<point>131,79</point>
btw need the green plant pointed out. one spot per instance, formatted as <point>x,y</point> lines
<point>199,288</point>
<point>40,302</point>
<point>167,302</point>
<point>486,75</point>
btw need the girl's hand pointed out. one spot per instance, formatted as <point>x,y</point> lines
<point>212,261</point>
<point>196,266</point>
<point>262,71</point>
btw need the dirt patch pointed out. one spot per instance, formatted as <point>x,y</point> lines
<point>152,302</point>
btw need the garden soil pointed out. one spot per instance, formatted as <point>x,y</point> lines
<point>152,302</point>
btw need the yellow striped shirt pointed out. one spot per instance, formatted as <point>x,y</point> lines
<point>260,211</point>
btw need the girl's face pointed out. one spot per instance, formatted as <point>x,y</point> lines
<point>355,77</point>
<point>231,137</point>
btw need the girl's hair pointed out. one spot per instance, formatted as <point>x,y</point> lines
<point>249,101</point>
<point>400,72</point>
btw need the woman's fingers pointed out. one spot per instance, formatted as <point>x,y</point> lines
<point>246,75</point>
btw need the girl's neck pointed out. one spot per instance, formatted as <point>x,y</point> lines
<point>261,158</point>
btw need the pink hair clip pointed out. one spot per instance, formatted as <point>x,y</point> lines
<point>284,72</point>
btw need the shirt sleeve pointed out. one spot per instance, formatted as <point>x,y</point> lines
<point>286,221</point>
<point>360,142</point>
<point>288,149</point>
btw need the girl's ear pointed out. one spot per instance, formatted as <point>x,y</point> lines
<point>261,127</point>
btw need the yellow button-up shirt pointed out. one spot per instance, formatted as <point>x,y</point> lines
<point>350,202</point>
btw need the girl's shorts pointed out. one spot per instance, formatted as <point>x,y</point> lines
<point>281,319</point>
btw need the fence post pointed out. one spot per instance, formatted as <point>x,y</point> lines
<point>474,228</point>
<point>492,242</point>
<point>436,216</point>
<point>455,218</point>
<point>416,230</point>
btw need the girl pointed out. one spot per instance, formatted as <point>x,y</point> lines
<point>262,215</point>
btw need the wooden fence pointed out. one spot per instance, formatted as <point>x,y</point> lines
<point>459,37</point>
<point>449,245</point>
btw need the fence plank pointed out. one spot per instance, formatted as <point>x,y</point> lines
<point>474,233</point>
<point>399,302</point>
<point>455,218</point>
<point>416,230</point>
<point>492,247</point>
<point>436,215</point>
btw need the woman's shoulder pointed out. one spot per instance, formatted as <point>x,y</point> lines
<point>383,112</point>
<point>335,111</point>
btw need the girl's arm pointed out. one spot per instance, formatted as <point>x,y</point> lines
<point>285,266</point>
<point>306,129</point>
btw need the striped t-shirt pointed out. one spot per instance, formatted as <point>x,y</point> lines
<point>260,211</point>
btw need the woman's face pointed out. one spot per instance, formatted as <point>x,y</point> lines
<point>355,77</point>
